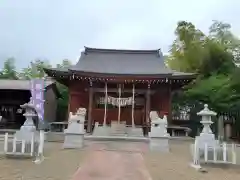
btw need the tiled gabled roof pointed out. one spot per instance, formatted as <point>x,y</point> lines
<point>121,62</point>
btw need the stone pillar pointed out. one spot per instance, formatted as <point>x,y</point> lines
<point>220,128</point>
<point>228,131</point>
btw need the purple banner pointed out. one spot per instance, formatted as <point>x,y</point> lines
<point>37,91</point>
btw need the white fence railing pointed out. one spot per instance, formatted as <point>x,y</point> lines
<point>219,154</point>
<point>32,148</point>
<point>10,146</point>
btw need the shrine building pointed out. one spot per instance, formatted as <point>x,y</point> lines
<point>120,85</point>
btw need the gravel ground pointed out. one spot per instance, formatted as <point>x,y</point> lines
<point>62,164</point>
<point>58,165</point>
<point>176,165</point>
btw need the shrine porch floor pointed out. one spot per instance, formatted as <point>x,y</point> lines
<point>103,160</point>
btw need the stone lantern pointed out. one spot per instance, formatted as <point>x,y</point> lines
<point>206,136</point>
<point>28,128</point>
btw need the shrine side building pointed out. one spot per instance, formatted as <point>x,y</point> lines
<point>120,85</point>
<point>14,93</point>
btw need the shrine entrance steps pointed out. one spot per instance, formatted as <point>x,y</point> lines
<point>117,131</point>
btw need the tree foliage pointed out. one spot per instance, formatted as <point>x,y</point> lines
<point>187,50</point>
<point>63,101</point>
<point>34,70</point>
<point>9,70</point>
<point>221,32</point>
<point>213,58</point>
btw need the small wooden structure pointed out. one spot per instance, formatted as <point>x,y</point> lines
<point>13,93</point>
<point>120,85</point>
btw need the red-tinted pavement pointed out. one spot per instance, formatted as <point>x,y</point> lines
<point>105,164</point>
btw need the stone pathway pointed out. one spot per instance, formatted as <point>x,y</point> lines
<point>104,163</point>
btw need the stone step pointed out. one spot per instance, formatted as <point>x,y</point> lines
<point>118,131</point>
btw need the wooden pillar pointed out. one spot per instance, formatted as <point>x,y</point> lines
<point>169,103</point>
<point>69,105</point>
<point>105,105</point>
<point>133,105</point>
<point>90,102</point>
<point>119,104</point>
<point>148,103</point>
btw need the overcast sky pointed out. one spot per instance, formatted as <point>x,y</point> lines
<point>58,29</point>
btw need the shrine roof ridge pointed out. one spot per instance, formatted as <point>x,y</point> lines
<point>123,51</point>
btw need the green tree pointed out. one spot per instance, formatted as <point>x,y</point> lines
<point>9,70</point>
<point>217,91</point>
<point>187,51</point>
<point>63,101</point>
<point>221,32</point>
<point>211,57</point>
<point>192,51</point>
<point>35,70</point>
<point>217,60</point>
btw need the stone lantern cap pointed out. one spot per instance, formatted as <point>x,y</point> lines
<point>28,106</point>
<point>206,112</point>
<point>30,109</point>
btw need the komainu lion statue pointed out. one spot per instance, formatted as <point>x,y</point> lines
<point>158,125</point>
<point>81,111</point>
<point>156,120</point>
<point>78,116</point>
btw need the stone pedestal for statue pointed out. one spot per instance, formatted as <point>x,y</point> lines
<point>159,138</point>
<point>101,130</point>
<point>27,130</point>
<point>74,134</point>
<point>206,136</point>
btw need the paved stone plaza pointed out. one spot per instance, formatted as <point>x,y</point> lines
<point>113,160</point>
